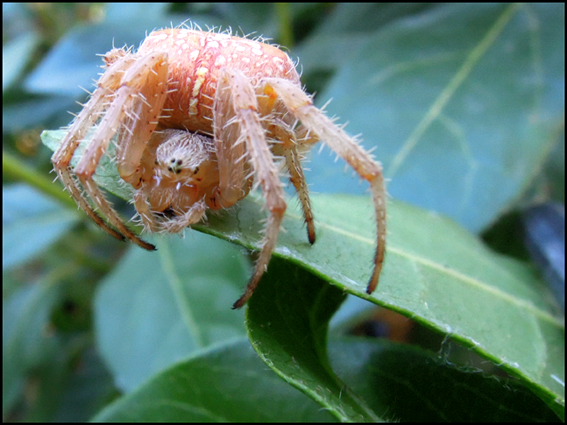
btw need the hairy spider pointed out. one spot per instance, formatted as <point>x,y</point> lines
<point>201,117</point>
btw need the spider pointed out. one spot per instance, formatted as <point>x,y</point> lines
<point>201,118</point>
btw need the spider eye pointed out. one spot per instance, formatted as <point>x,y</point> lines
<point>170,169</point>
<point>196,170</point>
<point>179,162</point>
<point>172,160</point>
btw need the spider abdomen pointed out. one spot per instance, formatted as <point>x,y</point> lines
<point>195,61</point>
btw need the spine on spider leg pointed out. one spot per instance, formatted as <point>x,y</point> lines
<point>78,129</point>
<point>93,110</point>
<point>296,176</point>
<point>136,78</point>
<point>90,114</point>
<point>347,148</point>
<point>246,109</point>
<point>231,147</point>
<point>99,144</point>
<point>147,88</point>
<point>361,161</point>
<point>259,153</point>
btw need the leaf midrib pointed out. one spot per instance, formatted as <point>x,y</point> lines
<point>447,93</point>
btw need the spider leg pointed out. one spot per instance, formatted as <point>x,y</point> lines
<point>296,176</point>
<point>139,141</point>
<point>143,207</point>
<point>307,138</point>
<point>184,217</point>
<point>145,72</point>
<point>142,116</point>
<point>231,149</point>
<point>314,120</point>
<point>234,85</point>
<point>86,119</point>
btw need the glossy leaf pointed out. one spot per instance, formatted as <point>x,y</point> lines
<point>229,383</point>
<point>287,325</point>
<point>435,272</point>
<point>224,384</point>
<point>407,384</point>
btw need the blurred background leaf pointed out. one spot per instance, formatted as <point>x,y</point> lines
<point>30,222</point>
<point>154,310</point>
<point>463,103</point>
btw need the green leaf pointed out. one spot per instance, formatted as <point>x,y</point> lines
<point>463,103</point>
<point>73,62</point>
<point>157,308</point>
<point>15,55</point>
<point>435,272</point>
<point>343,32</point>
<point>224,384</point>
<point>393,66</point>
<point>406,384</point>
<point>25,343</point>
<point>106,174</point>
<point>86,391</point>
<point>30,222</point>
<point>287,325</point>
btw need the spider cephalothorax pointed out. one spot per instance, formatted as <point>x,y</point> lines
<point>201,117</point>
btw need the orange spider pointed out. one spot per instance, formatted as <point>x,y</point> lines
<point>200,118</point>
